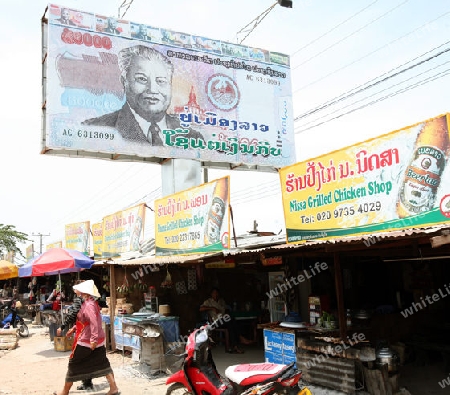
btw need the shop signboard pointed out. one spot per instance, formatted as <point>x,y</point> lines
<point>57,244</point>
<point>223,104</point>
<point>97,239</point>
<point>396,181</point>
<point>227,263</point>
<point>77,236</point>
<point>29,252</point>
<point>196,220</point>
<point>10,256</point>
<point>272,261</point>
<point>122,231</point>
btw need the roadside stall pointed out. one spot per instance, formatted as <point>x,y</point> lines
<point>8,337</point>
<point>341,291</point>
<point>56,261</point>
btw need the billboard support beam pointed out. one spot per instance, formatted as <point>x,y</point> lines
<point>179,174</point>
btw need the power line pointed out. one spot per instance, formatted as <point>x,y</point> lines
<point>100,196</point>
<point>333,28</point>
<point>377,93</point>
<point>350,35</point>
<point>256,22</point>
<point>409,87</point>
<point>369,54</point>
<point>127,4</point>
<point>372,83</point>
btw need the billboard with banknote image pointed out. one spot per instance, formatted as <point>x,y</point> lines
<point>124,90</point>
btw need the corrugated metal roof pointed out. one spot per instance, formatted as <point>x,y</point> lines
<point>396,234</point>
<point>251,244</point>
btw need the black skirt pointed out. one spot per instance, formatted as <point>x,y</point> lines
<point>87,363</point>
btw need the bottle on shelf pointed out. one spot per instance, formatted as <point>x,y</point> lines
<point>349,318</point>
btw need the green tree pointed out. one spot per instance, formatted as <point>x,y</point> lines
<point>9,238</point>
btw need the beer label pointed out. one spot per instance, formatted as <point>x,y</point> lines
<point>215,219</point>
<point>422,178</point>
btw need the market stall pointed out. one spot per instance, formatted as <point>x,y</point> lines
<point>147,337</point>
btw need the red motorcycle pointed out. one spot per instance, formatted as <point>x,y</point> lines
<point>199,376</point>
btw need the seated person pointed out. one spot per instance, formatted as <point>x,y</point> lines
<point>216,308</point>
<point>5,291</point>
<point>56,297</point>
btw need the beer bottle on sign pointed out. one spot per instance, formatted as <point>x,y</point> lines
<point>216,212</point>
<point>423,175</point>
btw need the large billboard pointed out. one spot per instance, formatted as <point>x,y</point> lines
<point>396,181</point>
<point>120,90</point>
<point>196,220</point>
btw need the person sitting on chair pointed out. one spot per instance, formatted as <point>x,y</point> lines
<point>216,308</point>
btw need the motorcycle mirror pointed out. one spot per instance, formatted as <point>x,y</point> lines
<point>201,337</point>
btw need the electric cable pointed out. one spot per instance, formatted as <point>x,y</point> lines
<point>350,35</point>
<point>333,28</point>
<point>369,84</point>
<point>377,93</point>
<point>256,21</point>
<point>84,207</point>
<point>65,220</point>
<point>369,54</point>
<point>420,83</point>
<point>125,4</point>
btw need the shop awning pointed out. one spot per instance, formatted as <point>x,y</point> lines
<point>253,245</point>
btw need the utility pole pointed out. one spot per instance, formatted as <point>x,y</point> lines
<point>40,235</point>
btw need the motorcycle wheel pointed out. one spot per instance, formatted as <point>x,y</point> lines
<point>23,330</point>
<point>178,389</point>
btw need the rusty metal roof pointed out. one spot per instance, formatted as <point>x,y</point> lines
<point>251,244</point>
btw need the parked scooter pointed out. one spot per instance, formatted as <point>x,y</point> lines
<point>14,320</point>
<point>199,376</point>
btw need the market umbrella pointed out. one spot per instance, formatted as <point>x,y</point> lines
<point>56,261</point>
<point>8,270</point>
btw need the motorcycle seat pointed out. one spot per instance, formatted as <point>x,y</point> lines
<point>252,373</point>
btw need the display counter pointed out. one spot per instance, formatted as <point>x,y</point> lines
<point>136,325</point>
<point>322,356</point>
<point>145,336</point>
<point>245,315</point>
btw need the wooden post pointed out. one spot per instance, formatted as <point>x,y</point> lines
<point>112,303</point>
<point>340,297</point>
<point>378,381</point>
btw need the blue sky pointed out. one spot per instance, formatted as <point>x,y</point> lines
<point>335,46</point>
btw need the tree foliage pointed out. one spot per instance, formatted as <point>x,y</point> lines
<point>9,238</point>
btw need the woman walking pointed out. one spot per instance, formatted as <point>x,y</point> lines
<point>88,358</point>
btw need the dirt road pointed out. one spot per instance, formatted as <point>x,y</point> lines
<point>34,367</point>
